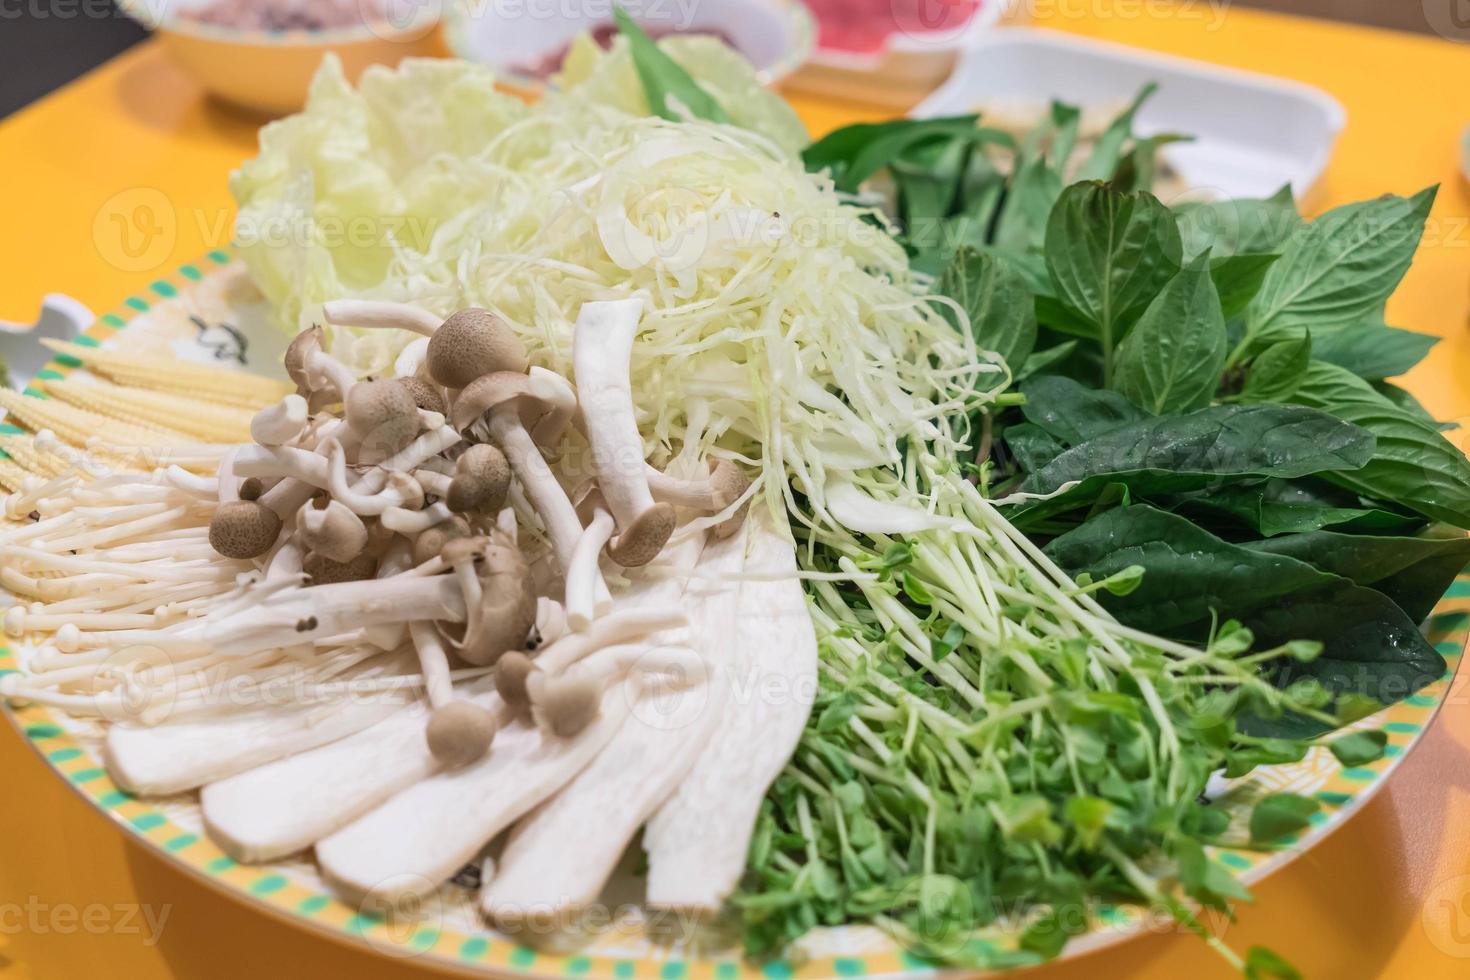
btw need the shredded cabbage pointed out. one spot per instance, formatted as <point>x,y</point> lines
<point>782,326</point>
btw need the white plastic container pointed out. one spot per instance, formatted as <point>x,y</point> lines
<point>1252,132</point>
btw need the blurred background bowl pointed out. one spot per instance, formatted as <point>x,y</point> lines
<point>525,42</point>
<point>269,71</point>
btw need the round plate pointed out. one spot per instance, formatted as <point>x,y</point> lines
<point>208,311</point>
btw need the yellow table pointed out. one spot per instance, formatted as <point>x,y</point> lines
<point>1387,896</point>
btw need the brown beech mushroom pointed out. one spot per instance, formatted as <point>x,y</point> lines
<point>500,605</point>
<point>332,531</point>
<point>481,481</point>
<point>512,671</point>
<point>471,343</point>
<point>514,403</point>
<point>726,484</point>
<point>460,733</point>
<point>602,346</point>
<point>564,705</point>
<point>243,529</point>
<point>382,416</point>
<point>425,395</point>
<point>324,571</point>
<point>430,543</point>
<point>312,368</point>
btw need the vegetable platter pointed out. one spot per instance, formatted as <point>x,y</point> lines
<point>669,545</point>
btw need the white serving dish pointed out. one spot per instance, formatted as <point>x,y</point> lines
<point>775,35</point>
<point>1252,132</point>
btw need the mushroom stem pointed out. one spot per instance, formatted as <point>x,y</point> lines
<point>227,485</point>
<point>414,521</point>
<point>582,571</point>
<point>433,482</point>
<point>320,364</point>
<point>380,315</point>
<point>433,661</point>
<point>618,626</point>
<point>304,615</point>
<point>410,360</point>
<point>543,491</point>
<point>278,424</point>
<point>602,347</point>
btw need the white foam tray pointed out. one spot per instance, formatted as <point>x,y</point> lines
<point>1252,132</point>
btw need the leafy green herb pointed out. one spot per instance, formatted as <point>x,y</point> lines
<point>1413,464</point>
<point>1359,748</point>
<point>664,78</point>
<point>1109,254</point>
<point>1275,375</point>
<point>1280,815</point>
<point>996,301</point>
<point>1339,268</point>
<point>1242,226</point>
<point>1171,359</point>
<point>1181,452</point>
<point>1372,648</point>
<point>1373,351</point>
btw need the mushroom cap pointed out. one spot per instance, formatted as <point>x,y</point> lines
<point>511,672</point>
<point>332,530</point>
<point>243,529</point>
<point>566,705</point>
<point>470,343</point>
<point>460,732</point>
<point>431,543</point>
<point>490,391</point>
<point>424,394</point>
<point>383,415</point>
<point>481,481</point>
<point>251,488</point>
<point>323,571</point>
<point>644,538</point>
<point>507,605</point>
<point>311,339</point>
<point>728,483</point>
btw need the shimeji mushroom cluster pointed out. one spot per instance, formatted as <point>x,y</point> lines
<point>473,527</point>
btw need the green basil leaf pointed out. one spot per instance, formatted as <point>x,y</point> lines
<point>1171,359</point>
<point>1341,267</point>
<point>1242,226</point>
<point>1188,451</point>
<point>993,295</point>
<point>855,153</point>
<point>1370,647</point>
<point>1109,254</point>
<point>1074,413</point>
<point>1414,571</point>
<point>1022,221</point>
<point>1373,352</point>
<point>1103,161</point>
<point>1278,371</point>
<point>1031,446</point>
<point>1040,360</point>
<point>1274,507</point>
<point>1413,466</point>
<point>664,78</point>
<point>1402,399</point>
<point>1238,278</point>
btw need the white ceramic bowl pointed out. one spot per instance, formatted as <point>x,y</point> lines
<point>270,71</point>
<point>509,35</point>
